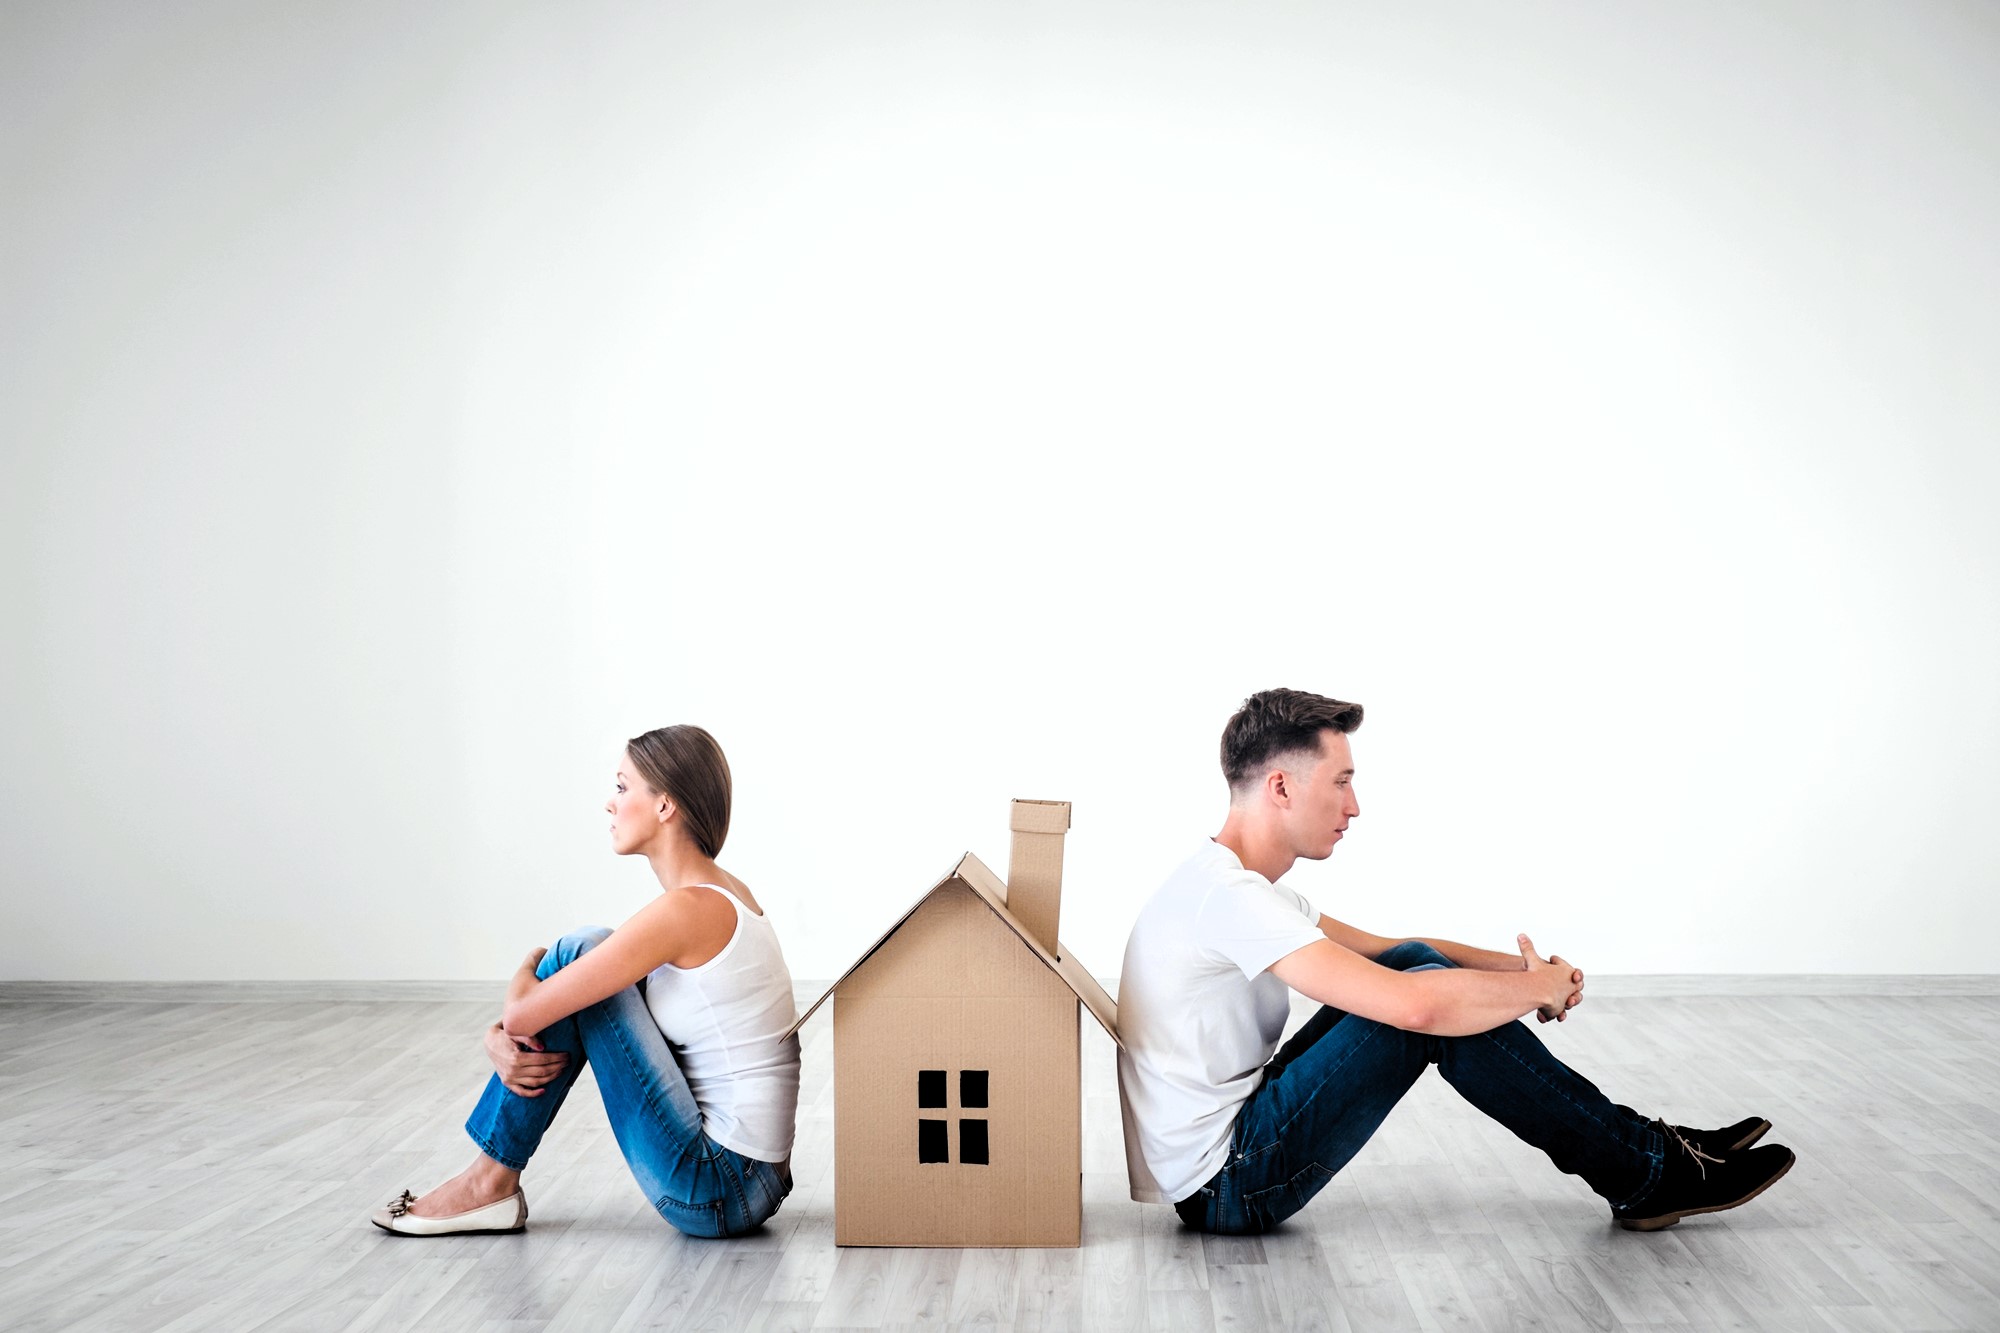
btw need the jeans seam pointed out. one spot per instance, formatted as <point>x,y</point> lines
<point>1655,1168</point>
<point>1652,1163</point>
<point>1289,1182</point>
<point>1306,1100</point>
<point>732,1175</point>
<point>1278,1137</point>
<point>1557,1088</point>
<point>652,1094</point>
<point>716,1211</point>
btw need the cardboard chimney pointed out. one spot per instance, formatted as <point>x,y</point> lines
<point>1034,869</point>
<point>957,1101</point>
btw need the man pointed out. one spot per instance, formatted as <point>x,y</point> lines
<point>1238,1141</point>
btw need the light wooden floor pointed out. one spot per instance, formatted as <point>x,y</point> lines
<point>211,1166</point>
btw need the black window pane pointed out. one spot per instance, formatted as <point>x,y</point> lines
<point>930,1087</point>
<point>971,1087</point>
<point>972,1142</point>
<point>932,1144</point>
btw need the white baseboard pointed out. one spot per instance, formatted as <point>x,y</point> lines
<point>246,992</point>
<point>1695,984</point>
<point>281,992</point>
<point>1614,987</point>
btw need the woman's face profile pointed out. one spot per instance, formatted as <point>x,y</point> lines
<point>634,809</point>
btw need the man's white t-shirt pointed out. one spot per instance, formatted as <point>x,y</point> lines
<point>1200,1016</point>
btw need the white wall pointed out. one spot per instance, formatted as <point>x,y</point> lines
<point>404,404</point>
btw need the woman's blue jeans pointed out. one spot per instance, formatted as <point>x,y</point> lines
<point>694,1182</point>
<point>1335,1081</point>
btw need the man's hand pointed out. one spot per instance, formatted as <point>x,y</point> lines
<point>524,1067</point>
<point>1568,982</point>
<point>1553,1014</point>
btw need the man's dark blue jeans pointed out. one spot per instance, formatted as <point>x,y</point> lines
<point>1335,1081</point>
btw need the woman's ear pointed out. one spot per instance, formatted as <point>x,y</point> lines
<point>667,808</point>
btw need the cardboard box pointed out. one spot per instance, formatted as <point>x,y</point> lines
<point>957,1105</point>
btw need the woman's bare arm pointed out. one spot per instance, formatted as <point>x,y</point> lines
<point>656,935</point>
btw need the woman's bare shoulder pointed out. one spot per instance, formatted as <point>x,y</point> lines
<point>684,925</point>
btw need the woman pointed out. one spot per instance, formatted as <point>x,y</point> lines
<point>681,1011</point>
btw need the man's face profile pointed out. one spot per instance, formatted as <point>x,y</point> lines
<point>1323,798</point>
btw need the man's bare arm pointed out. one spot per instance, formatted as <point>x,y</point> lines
<point>1479,960</point>
<point>1448,1002</point>
<point>1372,946</point>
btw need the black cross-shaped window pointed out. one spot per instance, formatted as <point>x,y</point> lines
<point>934,1134</point>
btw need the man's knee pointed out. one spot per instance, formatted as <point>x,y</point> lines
<point>571,947</point>
<point>1411,955</point>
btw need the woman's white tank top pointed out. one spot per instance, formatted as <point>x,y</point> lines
<point>725,1021</point>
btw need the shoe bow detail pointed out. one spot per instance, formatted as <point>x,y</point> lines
<point>399,1206</point>
<point>1700,1158</point>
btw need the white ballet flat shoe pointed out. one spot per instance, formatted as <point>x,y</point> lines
<point>507,1217</point>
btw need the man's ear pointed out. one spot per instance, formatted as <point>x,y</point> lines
<point>1278,787</point>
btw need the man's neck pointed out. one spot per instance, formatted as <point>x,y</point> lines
<point>1259,847</point>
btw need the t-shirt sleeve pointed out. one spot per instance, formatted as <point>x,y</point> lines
<point>1255,923</point>
<point>1306,909</point>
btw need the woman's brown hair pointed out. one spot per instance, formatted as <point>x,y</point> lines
<point>686,764</point>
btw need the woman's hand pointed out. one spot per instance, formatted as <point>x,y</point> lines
<point>524,979</point>
<point>524,1066</point>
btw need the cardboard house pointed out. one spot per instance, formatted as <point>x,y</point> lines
<point>957,1103</point>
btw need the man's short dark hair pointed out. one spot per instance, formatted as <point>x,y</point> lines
<point>1277,722</point>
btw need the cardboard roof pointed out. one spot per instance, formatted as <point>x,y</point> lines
<point>992,890</point>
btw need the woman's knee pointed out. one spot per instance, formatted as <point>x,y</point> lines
<point>1411,955</point>
<point>571,947</point>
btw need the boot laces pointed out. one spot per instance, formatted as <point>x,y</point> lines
<point>1700,1157</point>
